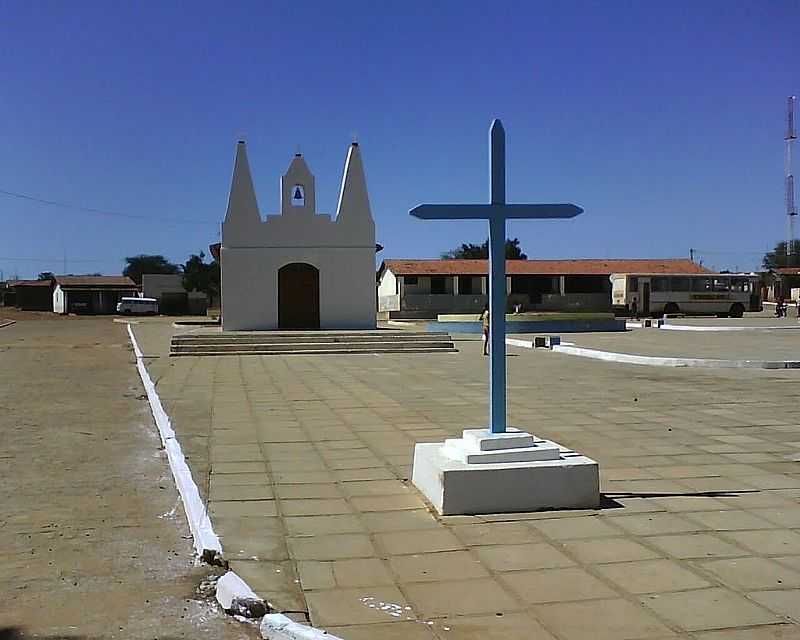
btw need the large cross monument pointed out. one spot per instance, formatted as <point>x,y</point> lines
<point>507,470</point>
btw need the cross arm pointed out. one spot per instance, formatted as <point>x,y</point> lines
<point>493,211</point>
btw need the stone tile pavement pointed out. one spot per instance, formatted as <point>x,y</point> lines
<point>305,464</point>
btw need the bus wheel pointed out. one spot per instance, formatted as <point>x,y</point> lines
<point>737,310</point>
<point>671,309</point>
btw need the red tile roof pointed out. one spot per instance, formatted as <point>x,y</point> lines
<point>542,267</point>
<point>121,282</point>
<point>30,283</point>
<point>788,271</point>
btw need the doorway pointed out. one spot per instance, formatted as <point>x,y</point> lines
<point>298,296</point>
<point>646,297</point>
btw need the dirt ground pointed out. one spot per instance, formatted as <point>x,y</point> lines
<point>93,540</point>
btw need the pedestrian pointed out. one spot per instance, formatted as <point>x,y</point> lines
<point>485,324</point>
<point>635,308</point>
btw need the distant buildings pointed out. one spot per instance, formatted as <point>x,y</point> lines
<point>172,298</point>
<point>70,294</point>
<point>426,288</point>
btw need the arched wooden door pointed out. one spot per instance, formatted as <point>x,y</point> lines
<point>298,296</point>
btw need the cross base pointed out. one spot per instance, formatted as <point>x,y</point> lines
<point>483,473</point>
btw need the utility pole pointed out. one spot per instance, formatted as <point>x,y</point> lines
<point>791,210</point>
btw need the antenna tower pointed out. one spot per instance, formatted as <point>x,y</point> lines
<point>791,209</point>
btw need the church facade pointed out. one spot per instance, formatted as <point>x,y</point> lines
<point>298,269</point>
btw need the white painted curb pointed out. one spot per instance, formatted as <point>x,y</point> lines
<point>516,342</point>
<point>206,542</point>
<point>237,598</point>
<point>659,361</point>
<point>276,626</point>
<point>689,327</point>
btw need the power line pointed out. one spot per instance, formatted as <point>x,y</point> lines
<point>102,212</point>
<point>10,259</point>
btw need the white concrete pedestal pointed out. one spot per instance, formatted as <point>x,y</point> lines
<point>483,473</point>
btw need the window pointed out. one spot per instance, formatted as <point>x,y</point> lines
<point>465,285</point>
<point>722,284</point>
<point>438,285</point>
<point>660,284</point>
<point>740,285</point>
<point>701,284</point>
<point>633,283</point>
<point>410,280</point>
<point>680,284</point>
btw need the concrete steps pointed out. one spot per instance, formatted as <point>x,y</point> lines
<point>310,343</point>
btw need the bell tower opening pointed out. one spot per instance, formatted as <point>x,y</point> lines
<point>298,196</point>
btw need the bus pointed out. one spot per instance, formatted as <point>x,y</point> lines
<point>137,306</point>
<point>720,294</point>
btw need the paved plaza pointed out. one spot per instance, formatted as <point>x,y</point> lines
<point>305,464</point>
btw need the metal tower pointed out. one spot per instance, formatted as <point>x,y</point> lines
<point>791,209</point>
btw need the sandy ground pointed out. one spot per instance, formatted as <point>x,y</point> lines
<point>93,540</point>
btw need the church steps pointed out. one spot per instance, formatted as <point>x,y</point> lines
<point>310,346</point>
<point>306,338</point>
<point>271,343</point>
<point>309,352</point>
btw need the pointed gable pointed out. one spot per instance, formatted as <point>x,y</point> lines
<point>353,197</point>
<point>242,204</point>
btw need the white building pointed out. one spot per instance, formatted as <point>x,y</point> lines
<point>427,288</point>
<point>299,269</point>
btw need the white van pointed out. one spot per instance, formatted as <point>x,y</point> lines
<point>137,306</point>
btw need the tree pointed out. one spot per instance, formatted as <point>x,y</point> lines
<point>199,275</point>
<point>46,275</point>
<point>481,251</point>
<point>141,264</point>
<point>777,257</point>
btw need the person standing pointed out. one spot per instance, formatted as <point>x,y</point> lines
<point>485,324</point>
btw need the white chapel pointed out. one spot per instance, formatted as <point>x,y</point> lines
<point>298,269</point>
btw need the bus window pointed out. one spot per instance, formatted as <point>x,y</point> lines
<point>722,284</point>
<point>740,285</point>
<point>701,284</point>
<point>660,284</point>
<point>680,284</point>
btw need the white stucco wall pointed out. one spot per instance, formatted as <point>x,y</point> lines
<point>250,286</point>
<point>59,300</point>
<point>388,284</point>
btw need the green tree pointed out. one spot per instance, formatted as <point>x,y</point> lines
<point>481,251</point>
<point>199,275</point>
<point>777,257</point>
<point>46,275</point>
<point>141,264</point>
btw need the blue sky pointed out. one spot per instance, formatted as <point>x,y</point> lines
<point>663,120</point>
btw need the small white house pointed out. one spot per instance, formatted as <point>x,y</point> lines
<point>91,294</point>
<point>298,269</point>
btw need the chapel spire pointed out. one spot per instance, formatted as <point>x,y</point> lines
<point>242,204</point>
<point>353,197</point>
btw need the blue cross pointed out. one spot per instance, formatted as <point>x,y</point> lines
<point>496,212</point>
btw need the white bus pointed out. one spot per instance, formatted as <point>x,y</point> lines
<point>137,306</point>
<point>720,294</point>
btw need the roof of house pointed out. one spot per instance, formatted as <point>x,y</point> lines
<point>119,282</point>
<point>30,283</point>
<point>788,271</point>
<point>542,267</point>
